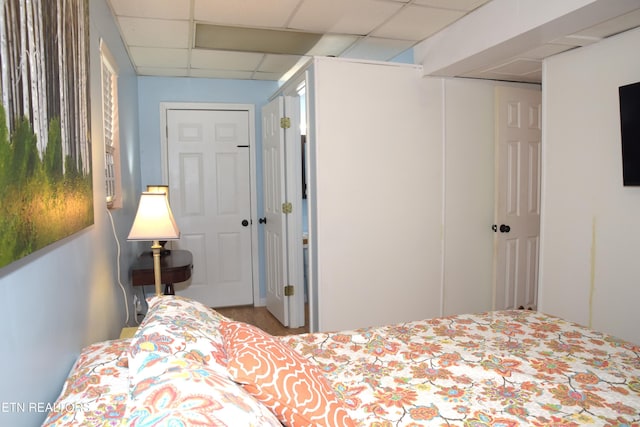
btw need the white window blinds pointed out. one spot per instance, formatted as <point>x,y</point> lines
<point>110,126</point>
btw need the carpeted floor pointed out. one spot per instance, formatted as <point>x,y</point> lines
<point>260,317</point>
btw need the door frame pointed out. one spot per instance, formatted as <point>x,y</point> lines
<point>164,146</point>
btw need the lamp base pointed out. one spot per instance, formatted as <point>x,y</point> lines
<point>163,252</point>
<point>156,266</point>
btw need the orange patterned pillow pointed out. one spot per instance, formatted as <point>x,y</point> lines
<point>286,382</point>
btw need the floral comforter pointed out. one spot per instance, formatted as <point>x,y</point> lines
<point>495,369</point>
<point>502,368</point>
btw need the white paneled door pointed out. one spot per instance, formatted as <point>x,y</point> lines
<point>517,218</point>
<point>282,177</point>
<point>210,195</point>
<point>274,195</point>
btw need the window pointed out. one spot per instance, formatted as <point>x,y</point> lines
<point>111,127</point>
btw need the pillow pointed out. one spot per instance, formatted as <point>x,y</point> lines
<point>178,326</point>
<point>97,388</point>
<point>287,383</point>
<point>180,392</point>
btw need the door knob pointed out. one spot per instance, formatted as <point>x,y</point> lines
<point>263,220</point>
<point>504,228</point>
<point>245,222</point>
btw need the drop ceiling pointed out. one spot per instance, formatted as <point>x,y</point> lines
<point>267,39</point>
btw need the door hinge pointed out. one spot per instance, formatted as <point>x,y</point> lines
<point>285,122</point>
<point>288,291</point>
<point>287,208</point>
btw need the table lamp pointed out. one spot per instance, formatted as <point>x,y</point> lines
<point>154,221</point>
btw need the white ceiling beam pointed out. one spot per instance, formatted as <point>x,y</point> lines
<point>503,28</point>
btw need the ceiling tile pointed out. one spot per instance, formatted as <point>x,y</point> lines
<point>466,5</point>
<point>332,45</point>
<point>221,74</point>
<point>156,57</point>
<point>279,63</point>
<point>377,49</point>
<point>222,60</point>
<point>247,13</point>
<point>613,26</point>
<point>302,63</point>
<point>340,16</point>
<point>168,9</point>
<point>160,34</point>
<point>166,72</point>
<point>155,32</point>
<point>417,23</point>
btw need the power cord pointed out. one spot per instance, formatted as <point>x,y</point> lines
<point>124,293</point>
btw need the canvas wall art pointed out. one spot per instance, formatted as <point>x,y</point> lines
<point>45,149</point>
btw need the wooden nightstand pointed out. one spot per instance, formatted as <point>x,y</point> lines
<point>175,267</point>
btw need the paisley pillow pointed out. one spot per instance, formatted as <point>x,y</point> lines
<point>181,327</point>
<point>181,392</point>
<point>97,388</point>
<point>287,383</point>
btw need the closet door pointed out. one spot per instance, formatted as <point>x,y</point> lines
<point>517,215</point>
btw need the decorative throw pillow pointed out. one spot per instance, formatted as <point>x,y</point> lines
<point>287,383</point>
<point>97,389</point>
<point>182,327</point>
<point>180,392</point>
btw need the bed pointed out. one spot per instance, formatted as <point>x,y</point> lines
<point>189,365</point>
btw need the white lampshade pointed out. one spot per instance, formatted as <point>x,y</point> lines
<point>154,219</point>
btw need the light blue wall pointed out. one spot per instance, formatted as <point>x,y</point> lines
<point>66,296</point>
<point>154,90</point>
<point>405,57</point>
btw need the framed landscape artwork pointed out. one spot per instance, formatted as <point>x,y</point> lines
<point>45,149</point>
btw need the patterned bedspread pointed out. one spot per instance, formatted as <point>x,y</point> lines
<point>500,368</point>
<point>503,368</point>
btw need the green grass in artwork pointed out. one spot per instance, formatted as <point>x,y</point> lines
<point>39,204</point>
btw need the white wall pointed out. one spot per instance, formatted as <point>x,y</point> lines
<point>404,190</point>
<point>590,222</point>
<point>377,185</point>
